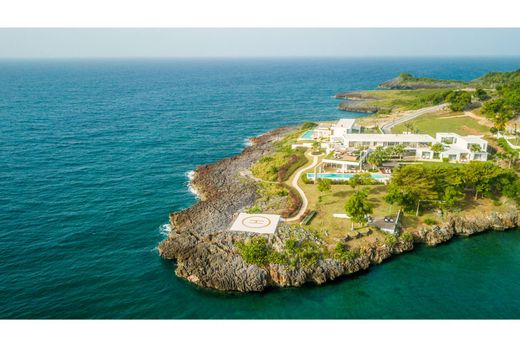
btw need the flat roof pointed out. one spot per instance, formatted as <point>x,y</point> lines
<point>390,137</point>
<point>256,223</point>
<point>469,138</point>
<point>346,123</point>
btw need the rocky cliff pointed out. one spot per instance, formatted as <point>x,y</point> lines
<point>357,102</point>
<point>463,226</point>
<point>205,251</point>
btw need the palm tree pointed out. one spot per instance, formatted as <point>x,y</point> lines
<point>409,126</point>
<point>399,150</point>
<point>436,148</point>
<point>475,147</point>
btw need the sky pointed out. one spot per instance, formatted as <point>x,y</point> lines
<point>182,43</point>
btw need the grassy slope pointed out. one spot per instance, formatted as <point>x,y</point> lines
<point>445,122</point>
<point>400,100</point>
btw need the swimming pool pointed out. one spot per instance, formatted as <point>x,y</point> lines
<point>307,135</point>
<point>345,176</point>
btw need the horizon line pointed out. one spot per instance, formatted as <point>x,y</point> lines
<point>256,57</point>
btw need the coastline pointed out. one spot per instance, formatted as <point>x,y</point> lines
<point>204,249</point>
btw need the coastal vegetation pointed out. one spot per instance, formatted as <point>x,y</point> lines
<point>280,165</point>
<point>294,253</point>
<point>358,206</point>
<point>350,224</point>
<point>257,251</point>
<point>494,79</point>
<point>284,161</point>
<point>445,185</point>
<point>506,105</point>
<point>386,101</point>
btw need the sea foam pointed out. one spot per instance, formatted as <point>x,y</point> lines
<point>191,174</point>
<point>165,229</point>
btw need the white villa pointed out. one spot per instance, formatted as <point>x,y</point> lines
<point>346,136</point>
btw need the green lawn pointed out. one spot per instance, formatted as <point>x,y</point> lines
<point>445,122</point>
<point>334,229</point>
<point>401,99</point>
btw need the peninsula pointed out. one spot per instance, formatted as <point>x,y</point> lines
<point>315,202</point>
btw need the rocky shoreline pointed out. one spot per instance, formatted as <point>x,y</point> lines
<point>418,83</point>
<point>357,102</point>
<point>205,251</point>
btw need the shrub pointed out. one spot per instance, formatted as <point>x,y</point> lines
<point>407,236</point>
<point>390,240</point>
<point>445,160</point>
<point>304,253</point>
<point>309,125</point>
<point>294,161</point>
<point>258,252</point>
<point>254,251</point>
<point>268,190</point>
<point>430,221</point>
<point>458,100</point>
<point>293,204</point>
<point>253,209</point>
<point>342,253</point>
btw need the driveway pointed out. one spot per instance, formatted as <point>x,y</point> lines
<point>386,129</point>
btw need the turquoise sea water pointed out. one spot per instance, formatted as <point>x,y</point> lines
<point>94,155</point>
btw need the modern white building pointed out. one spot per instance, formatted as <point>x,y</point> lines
<point>344,126</point>
<point>455,148</point>
<point>462,148</point>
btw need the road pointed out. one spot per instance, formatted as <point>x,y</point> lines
<point>386,129</point>
<point>294,183</point>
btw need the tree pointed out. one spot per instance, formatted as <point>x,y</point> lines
<point>480,176</point>
<point>405,76</point>
<point>398,150</point>
<point>355,181</point>
<point>458,99</point>
<point>409,185</point>
<point>437,147</point>
<point>481,94</point>
<point>377,157</point>
<point>316,146</point>
<point>498,111</point>
<point>410,126</point>
<point>475,147</point>
<point>357,206</point>
<point>324,185</point>
<point>451,197</point>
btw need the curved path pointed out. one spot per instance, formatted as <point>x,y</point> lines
<point>413,114</point>
<point>294,183</point>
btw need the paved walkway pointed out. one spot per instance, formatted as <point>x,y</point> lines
<point>386,129</point>
<point>294,183</point>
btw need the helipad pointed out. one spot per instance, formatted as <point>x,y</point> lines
<point>256,223</point>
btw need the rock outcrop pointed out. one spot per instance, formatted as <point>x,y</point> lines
<point>419,83</point>
<point>463,226</point>
<point>358,106</point>
<point>357,102</point>
<point>205,251</point>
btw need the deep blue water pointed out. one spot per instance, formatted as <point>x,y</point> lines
<point>94,155</point>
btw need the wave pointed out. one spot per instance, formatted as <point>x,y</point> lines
<point>165,229</point>
<point>248,142</point>
<point>191,174</point>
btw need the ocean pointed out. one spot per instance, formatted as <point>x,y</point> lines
<point>94,154</point>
